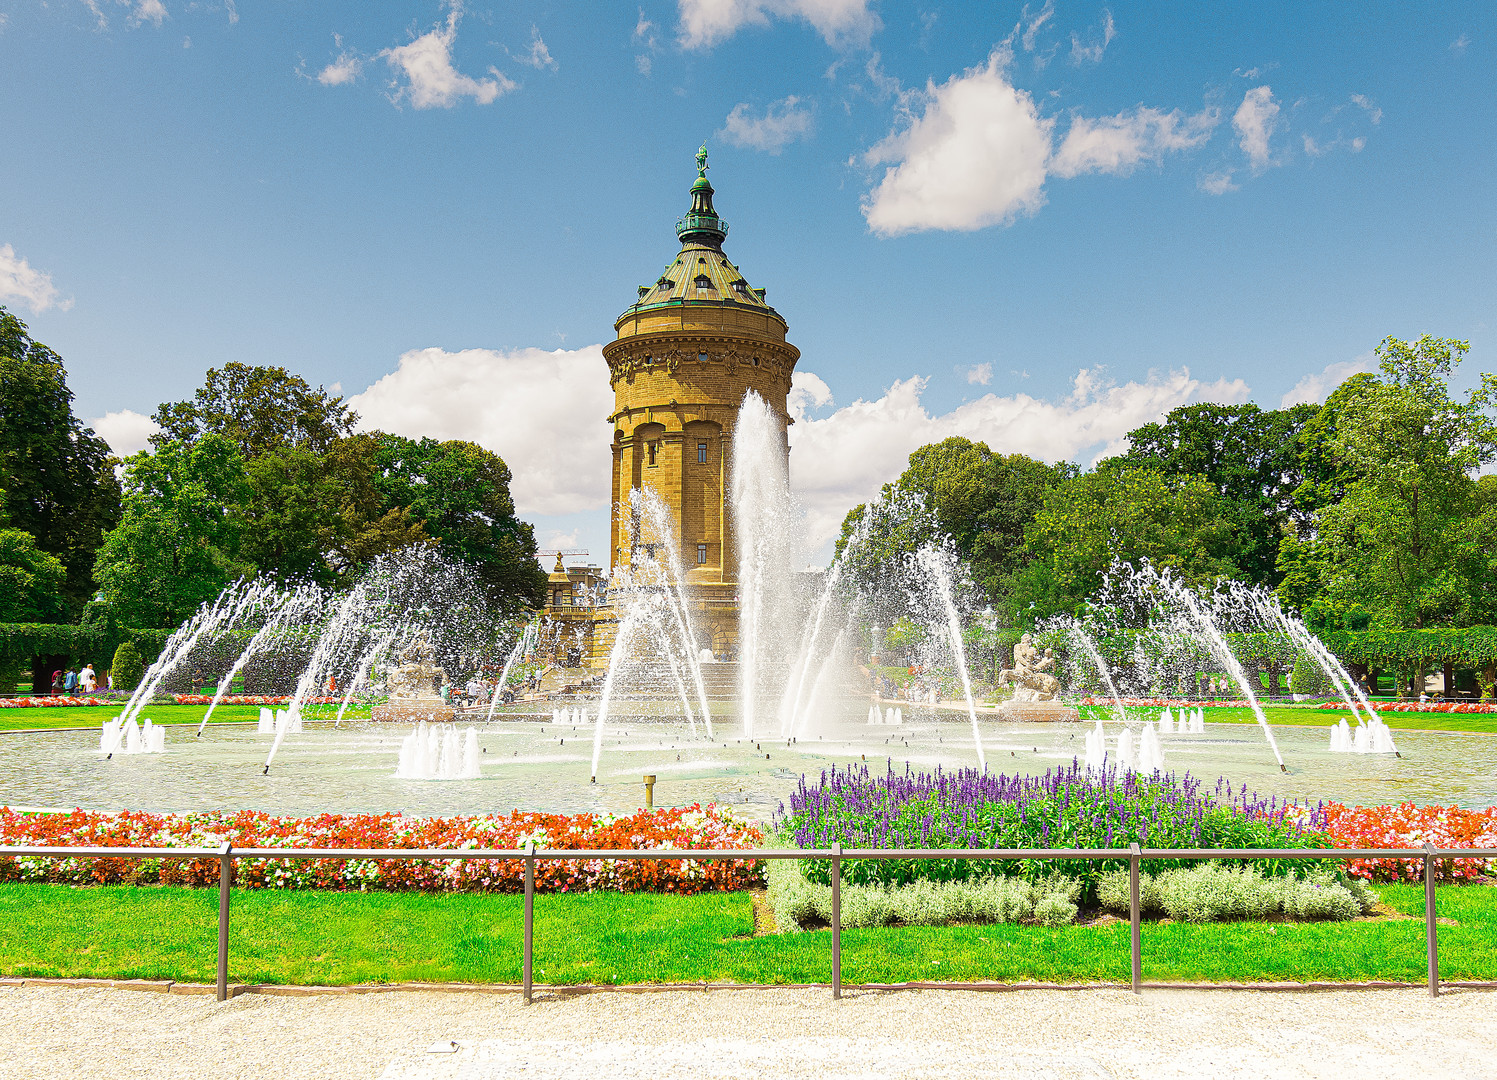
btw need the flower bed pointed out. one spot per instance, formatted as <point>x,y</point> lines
<point>1425,706</point>
<point>249,699</point>
<point>692,827</point>
<point>1408,825</point>
<point>1067,807</point>
<point>1166,703</point>
<point>180,699</point>
<point>60,699</point>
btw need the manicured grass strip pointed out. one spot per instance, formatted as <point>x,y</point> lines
<point>1482,723</point>
<point>342,938</point>
<point>91,716</point>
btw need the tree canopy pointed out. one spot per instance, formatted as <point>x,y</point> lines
<point>179,541</point>
<point>982,500</point>
<point>56,483</point>
<point>1409,542</point>
<point>259,409</point>
<point>1123,513</point>
<point>1256,459</point>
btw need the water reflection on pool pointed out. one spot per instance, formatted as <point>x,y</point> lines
<point>538,765</point>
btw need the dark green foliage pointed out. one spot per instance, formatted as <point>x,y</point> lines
<point>31,581</point>
<point>1123,513</point>
<point>179,541</point>
<point>55,479</point>
<point>258,409</point>
<point>126,668</point>
<point>459,494</point>
<point>980,499</point>
<point>1256,459</point>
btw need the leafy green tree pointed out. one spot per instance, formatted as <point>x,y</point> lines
<point>56,483</point>
<point>961,488</point>
<point>1123,513</point>
<point>259,409</point>
<point>1257,460</point>
<point>459,493</point>
<point>180,539</point>
<point>320,517</point>
<point>1405,542</point>
<point>32,583</point>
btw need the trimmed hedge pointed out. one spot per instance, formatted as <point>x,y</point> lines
<point>19,642</point>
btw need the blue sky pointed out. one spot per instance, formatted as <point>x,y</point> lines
<point>1039,226</point>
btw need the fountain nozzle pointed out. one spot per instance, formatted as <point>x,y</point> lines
<point>266,772</point>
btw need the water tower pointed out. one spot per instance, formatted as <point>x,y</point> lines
<point>688,350</point>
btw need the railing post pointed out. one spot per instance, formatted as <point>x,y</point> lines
<point>225,879</point>
<point>837,920</point>
<point>529,914</point>
<point>1431,945</point>
<point>1133,918</point>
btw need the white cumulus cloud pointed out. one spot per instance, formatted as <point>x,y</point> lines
<point>148,11</point>
<point>841,23</point>
<point>344,69</point>
<point>537,56</point>
<point>1317,386</point>
<point>22,283</point>
<point>431,79</point>
<point>542,412</point>
<point>980,374</point>
<point>976,156</point>
<point>1255,120</point>
<point>1116,144</point>
<point>126,431</point>
<point>1091,51</point>
<point>844,458</point>
<point>783,123</point>
<point>975,151</point>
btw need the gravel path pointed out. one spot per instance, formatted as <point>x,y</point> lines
<point>749,1035</point>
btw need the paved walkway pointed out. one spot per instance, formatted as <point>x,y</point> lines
<point>750,1035</point>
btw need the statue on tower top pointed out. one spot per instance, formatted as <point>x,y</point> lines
<point>702,161</point>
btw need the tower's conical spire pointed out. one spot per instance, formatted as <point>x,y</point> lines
<point>701,223</point>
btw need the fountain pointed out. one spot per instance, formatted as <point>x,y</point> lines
<point>413,683</point>
<point>283,608</point>
<point>125,736</point>
<point>763,520</point>
<point>1373,737</point>
<point>438,753</point>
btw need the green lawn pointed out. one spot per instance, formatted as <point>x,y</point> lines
<point>343,938</point>
<point>91,716</point>
<point>1485,723</point>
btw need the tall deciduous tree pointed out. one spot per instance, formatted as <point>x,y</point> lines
<point>31,581</point>
<point>1404,543</point>
<point>179,541</point>
<point>459,493</point>
<point>1123,513</point>
<point>55,479</point>
<point>320,517</point>
<point>259,409</point>
<point>1257,460</point>
<point>982,500</point>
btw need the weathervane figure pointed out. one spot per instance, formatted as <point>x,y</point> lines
<point>702,160</point>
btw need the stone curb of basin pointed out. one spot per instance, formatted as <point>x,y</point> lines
<point>162,986</point>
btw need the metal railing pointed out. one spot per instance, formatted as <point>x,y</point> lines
<point>228,854</point>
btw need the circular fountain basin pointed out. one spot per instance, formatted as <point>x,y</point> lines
<point>538,765</point>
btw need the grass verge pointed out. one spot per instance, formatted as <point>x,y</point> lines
<point>91,716</point>
<point>343,938</point>
<point>1481,723</point>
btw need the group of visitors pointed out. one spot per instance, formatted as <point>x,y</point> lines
<point>68,681</point>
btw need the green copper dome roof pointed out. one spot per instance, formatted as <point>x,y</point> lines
<point>700,273</point>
